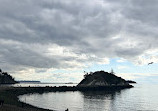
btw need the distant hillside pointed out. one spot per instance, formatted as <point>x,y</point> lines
<point>101,78</point>
<point>5,78</point>
<point>25,81</point>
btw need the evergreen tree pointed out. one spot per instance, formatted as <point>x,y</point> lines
<point>112,71</point>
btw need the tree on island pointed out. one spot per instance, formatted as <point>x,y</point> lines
<point>112,71</point>
<point>86,74</point>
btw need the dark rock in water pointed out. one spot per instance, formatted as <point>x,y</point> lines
<point>101,78</point>
<point>130,81</point>
<point>5,78</point>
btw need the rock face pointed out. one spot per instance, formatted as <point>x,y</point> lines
<point>5,78</point>
<point>101,78</point>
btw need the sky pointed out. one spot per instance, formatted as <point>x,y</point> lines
<point>57,40</point>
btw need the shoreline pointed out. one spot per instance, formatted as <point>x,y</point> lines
<point>10,95</point>
<point>12,103</point>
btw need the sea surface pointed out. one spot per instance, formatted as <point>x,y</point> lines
<point>141,97</point>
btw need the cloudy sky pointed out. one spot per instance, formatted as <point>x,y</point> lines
<point>56,40</point>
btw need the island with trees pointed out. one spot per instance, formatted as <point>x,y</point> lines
<point>103,80</point>
<point>6,78</point>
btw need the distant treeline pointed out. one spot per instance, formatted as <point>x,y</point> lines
<point>5,78</point>
<point>25,81</point>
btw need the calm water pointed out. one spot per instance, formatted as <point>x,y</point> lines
<point>142,97</point>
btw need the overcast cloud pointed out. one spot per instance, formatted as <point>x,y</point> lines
<point>63,34</point>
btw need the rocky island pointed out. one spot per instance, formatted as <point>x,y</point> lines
<point>103,80</point>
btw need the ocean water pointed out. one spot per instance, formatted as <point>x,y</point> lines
<point>141,97</point>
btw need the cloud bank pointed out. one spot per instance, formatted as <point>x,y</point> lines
<point>71,34</point>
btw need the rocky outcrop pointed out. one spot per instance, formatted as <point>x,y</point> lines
<point>101,78</point>
<point>5,78</point>
<point>130,81</point>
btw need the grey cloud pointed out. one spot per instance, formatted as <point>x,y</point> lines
<point>87,27</point>
<point>20,55</point>
<point>142,10</point>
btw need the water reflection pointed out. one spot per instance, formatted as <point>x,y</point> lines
<point>99,100</point>
<point>75,101</point>
<point>142,97</point>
